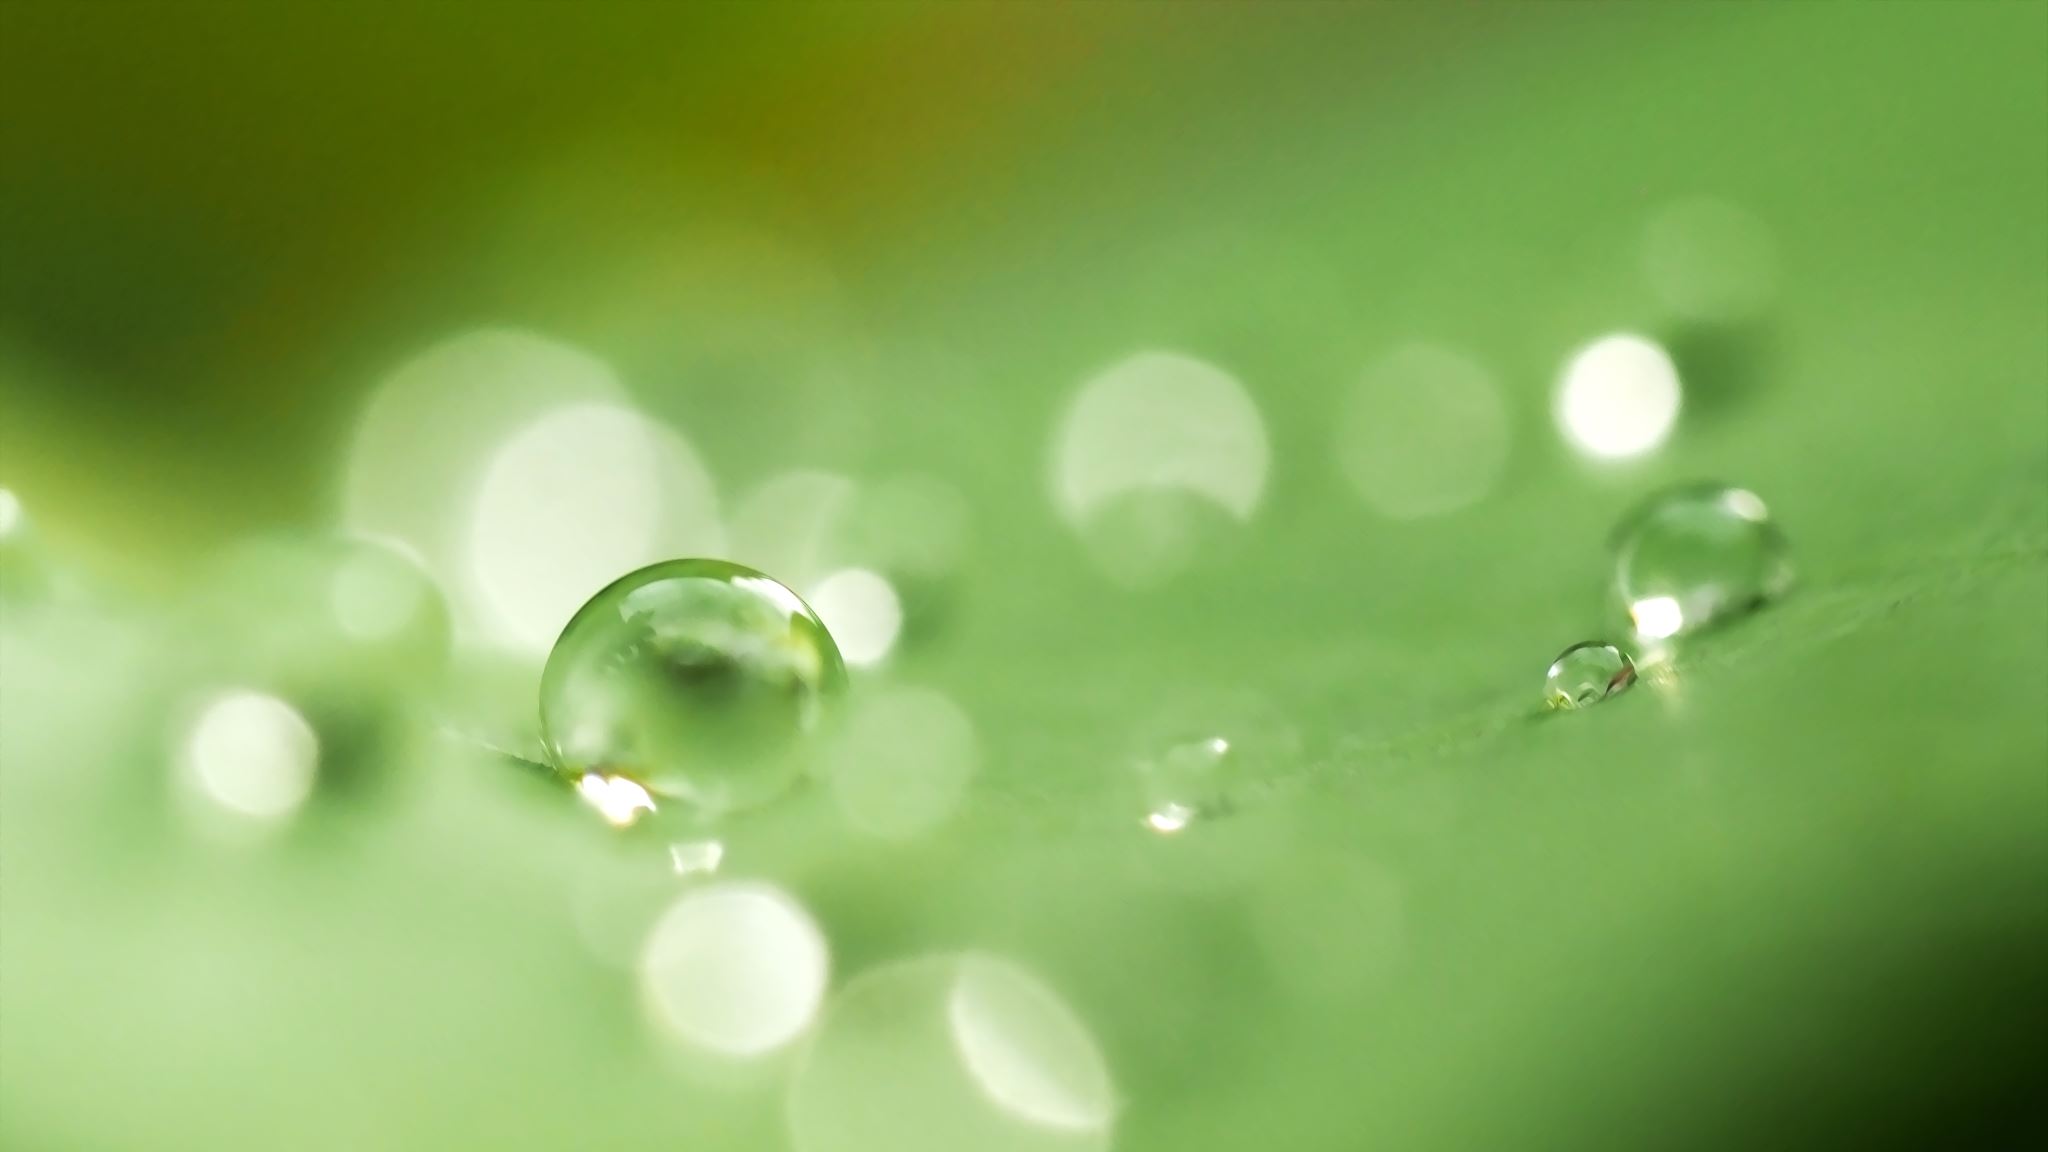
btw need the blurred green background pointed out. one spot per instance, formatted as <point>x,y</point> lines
<point>269,273</point>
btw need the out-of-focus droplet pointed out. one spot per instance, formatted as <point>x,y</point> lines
<point>351,632</point>
<point>1587,673</point>
<point>324,617</point>
<point>1707,260</point>
<point>945,1053</point>
<point>697,680</point>
<point>1619,397</point>
<point>1424,433</point>
<point>902,763</point>
<point>251,755</point>
<point>862,611</point>
<point>1186,781</point>
<point>1197,755</point>
<point>1696,556</point>
<point>576,496</point>
<point>908,532</point>
<point>695,857</point>
<point>735,969</point>
<point>1152,451</point>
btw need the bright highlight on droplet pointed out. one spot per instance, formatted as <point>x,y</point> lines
<point>1423,433</point>
<point>10,513</point>
<point>738,969</point>
<point>1657,617</point>
<point>1619,397</point>
<point>619,800</point>
<point>1169,818</point>
<point>253,755</point>
<point>862,612</point>
<point>696,857</point>
<point>903,763</point>
<point>1146,446</point>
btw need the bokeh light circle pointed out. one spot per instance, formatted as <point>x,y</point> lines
<point>861,610</point>
<point>1423,433</point>
<point>738,969</point>
<point>252,755</point>
<point>1149,449</point>
<point>951,1052</point>
<point>1619,397</point>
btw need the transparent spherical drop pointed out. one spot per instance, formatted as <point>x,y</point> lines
<point>1196,755</point>
<point>1187,781</point>
<point>1696,556</point>
<point>1587,673</point>
<point>699,680</point>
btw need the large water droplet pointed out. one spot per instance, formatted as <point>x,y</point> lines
<point>1696,556</point>
<point>1587,673</point>
<point>698,680</point>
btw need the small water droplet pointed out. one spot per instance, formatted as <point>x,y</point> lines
<point>693,857</point>
<point>1695,556</point>
<point>1587,673</point>
<point>1196,754</point>
<point>696,680</point>
<point>1186,781</point>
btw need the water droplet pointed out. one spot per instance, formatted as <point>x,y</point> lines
<point>1587,673</point>
<point>1202,751</point>
<point>698,680</point>
<point>695,857</point>
<point>1186,781</point>
<point>1696,556</point>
